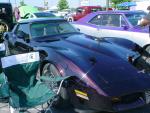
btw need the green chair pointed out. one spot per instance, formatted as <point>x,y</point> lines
<point>3,81</point>
<point>25,90</point>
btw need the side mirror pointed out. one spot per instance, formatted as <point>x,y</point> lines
<point>23,36</point>
<point>125,27</point>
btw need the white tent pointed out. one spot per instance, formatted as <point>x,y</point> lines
<point>142,5</point>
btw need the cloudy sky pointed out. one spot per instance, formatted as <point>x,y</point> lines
<point>72,3</point>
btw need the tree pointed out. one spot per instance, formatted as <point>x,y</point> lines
<point>22,3</point>
<point>62,4</point>
<point>115,2</point>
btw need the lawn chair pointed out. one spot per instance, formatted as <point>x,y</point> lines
<point>3,81</point>
<point>25,90</point>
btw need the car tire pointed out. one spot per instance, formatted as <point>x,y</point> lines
<point>70,19</point>
<point>4,27</point>
<point>63,100</point>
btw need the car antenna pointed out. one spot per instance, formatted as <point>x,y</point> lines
<point>149,31</point>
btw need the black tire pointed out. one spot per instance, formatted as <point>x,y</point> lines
<point>4,26</point>
<point>63,100</point>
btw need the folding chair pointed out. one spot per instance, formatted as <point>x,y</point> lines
<point>25,90</point>
<point>3,81</point>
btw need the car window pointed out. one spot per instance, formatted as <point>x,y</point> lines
<point>134,18</point>
<point>24,28</point>
<point>44,14</point>
<point>51,28</point>
<point>96,20</point>
<point>80,10</point>
<point>96,9</point>
<point>112,20</point>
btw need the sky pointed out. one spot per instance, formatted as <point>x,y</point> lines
<point>72,3</point>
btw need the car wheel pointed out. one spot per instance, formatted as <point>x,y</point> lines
<point>50,70</point>
<point>3,26</point>
<point>70,20</point>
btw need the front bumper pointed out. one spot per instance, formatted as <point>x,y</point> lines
<point>86,98</point>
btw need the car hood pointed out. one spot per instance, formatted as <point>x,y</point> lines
<point>116,78</point>
<point>80,49</point>
<point>105,63</point>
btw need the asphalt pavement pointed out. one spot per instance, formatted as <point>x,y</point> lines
<point>4,108</point>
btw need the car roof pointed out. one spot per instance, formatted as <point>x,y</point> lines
<point>41,19</point>
<point>120,11</point>
<point>41,12</point>
<point>5,3</point>
<point>89,7</point>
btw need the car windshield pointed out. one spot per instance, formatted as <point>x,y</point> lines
<point>96,9</point>
<point>44,15</point>
<point>134,18</point>
<point>51,28</point>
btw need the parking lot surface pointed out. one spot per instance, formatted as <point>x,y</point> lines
<point>4,108</point>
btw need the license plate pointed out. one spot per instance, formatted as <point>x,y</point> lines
<point>147,97</point>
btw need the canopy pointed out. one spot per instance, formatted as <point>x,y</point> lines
<point>127,4</point>
<point>27,9</point>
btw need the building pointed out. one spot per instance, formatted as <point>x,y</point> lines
<point>92,2</point>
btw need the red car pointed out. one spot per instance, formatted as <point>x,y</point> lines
<point>83,11</point>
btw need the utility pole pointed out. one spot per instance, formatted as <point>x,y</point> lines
<point>46,4</point>
<point>107,5</point>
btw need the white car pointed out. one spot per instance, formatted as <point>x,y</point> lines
<point>37,15</point>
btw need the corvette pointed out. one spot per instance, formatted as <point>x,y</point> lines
<point>108,74</point>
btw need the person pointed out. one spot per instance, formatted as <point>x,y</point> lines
<point>17,13</point>
<point>146,20</point>
<point>112,21</point>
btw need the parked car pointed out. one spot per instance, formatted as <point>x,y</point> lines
<point>83,11</point>
<point>55,12</point>
<point>64,12</point>
<point>6,18</point>
<point>122,24</point>
<point>111,74</point>
<point>38,15</point>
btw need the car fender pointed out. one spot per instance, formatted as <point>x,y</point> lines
<point>122,42</point>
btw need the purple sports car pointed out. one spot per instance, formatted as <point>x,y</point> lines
<point>108,74</point>
<point>121,24</point>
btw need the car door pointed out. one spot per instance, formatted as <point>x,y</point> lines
<point>19,42</point>
<point>115,25</point>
